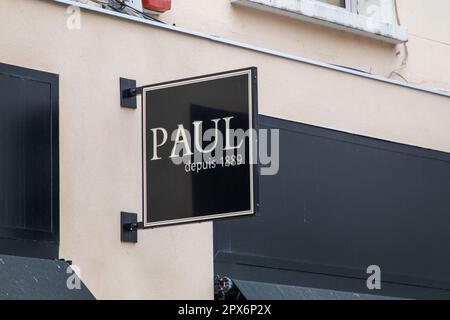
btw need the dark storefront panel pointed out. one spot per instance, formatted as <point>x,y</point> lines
<point>339,204</point>
<point>29,163</point>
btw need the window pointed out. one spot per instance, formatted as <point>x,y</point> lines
<point>370,18</point>
<point>339,3</point>
<point>379,10</point>
<point>29,163</point>
<point>350,5</point>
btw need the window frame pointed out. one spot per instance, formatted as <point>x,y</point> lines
<point>351,5</point>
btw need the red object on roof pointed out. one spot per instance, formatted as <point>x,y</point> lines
<point>157,5</point>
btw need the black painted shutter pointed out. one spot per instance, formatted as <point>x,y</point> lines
<point>29,162</point>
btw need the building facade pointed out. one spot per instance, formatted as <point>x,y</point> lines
<point>373,68</point>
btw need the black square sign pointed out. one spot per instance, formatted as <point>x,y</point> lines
<point>198,146</point>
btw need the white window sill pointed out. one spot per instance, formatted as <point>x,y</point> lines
<point>335,17</point>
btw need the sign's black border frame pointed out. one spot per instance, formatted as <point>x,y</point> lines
<point>255,178</point>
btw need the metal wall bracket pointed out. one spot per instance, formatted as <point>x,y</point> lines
<point>128,93</point>
<point>129,227</point>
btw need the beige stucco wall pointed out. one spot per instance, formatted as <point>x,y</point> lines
<point>428,46</point>
<point>429,41</point>
<point>101,155</point>
<point>100,142</point>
